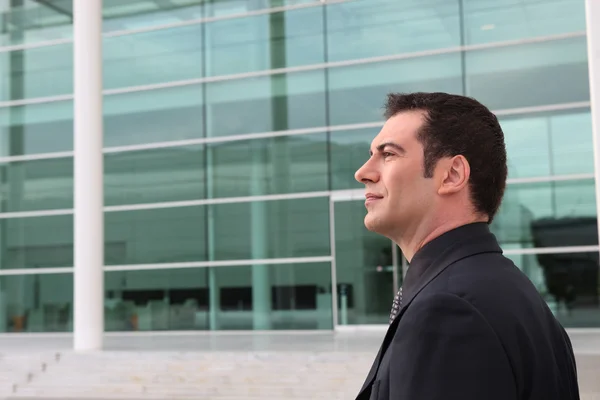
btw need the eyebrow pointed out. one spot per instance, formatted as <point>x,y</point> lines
<point>396,146</point>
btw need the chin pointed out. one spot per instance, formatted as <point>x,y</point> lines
<point>373,223</point>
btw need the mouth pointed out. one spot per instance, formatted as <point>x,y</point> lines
<point>371,198</point>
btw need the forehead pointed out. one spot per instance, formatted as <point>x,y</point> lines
<point>402,128</point>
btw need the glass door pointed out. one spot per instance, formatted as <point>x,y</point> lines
<point>368,266</point>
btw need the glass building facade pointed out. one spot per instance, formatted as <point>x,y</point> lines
<point>232,131</point>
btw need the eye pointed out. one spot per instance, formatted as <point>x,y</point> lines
<point>387,154</point>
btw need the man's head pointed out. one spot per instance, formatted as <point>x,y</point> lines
<point>439,158</point>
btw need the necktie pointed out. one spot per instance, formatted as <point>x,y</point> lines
<point>396,305</point>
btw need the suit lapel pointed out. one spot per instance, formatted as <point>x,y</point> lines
<point>459,250</point>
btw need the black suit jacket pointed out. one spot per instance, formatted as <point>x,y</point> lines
<point>472,327</point>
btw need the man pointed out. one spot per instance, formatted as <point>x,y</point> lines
<point>467,324</point>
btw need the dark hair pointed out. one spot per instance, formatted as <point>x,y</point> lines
<point>460,125</point>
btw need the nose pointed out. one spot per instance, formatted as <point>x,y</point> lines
<point>367,173</point>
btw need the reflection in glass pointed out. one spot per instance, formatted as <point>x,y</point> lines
<point>160,56</point>
<point>569,284</point>
<point>278,165</point>
<point>271,229</point>
<point>288,296</point>
<point>33,22</point>
<point>357,93</point>
<point>153,176</point>
<point>349,150</point>
<point>154,300</point>
<point>362,29</point>
<point>532,66</point>
<point>162,115</point>
<point>561,202</point>
<point>36,128</point>
<point>119,15</point>
<point>492,21</point>
<point>547,144</point>
<point>265,104</point>
<point>36,303</point>
<point>259,297</point>
<point>223,8</point>
<point>364,268</point>
<point>261,42</point>
<point>36,242</point>
<point>36,72</point>
<point>162,235</point>
<point>248,230</point>
<point>36,185</point>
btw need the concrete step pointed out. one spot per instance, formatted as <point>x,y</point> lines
<point>122,375</point>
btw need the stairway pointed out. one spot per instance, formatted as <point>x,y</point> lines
<point>211,375</point>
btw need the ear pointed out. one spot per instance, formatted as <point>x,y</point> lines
<point>455,175</point>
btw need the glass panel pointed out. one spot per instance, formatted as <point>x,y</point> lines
<point>159,56</point>
<point>279,165</point>
<point>158,116</point>
<point>260,297</point>
<point>132,14</point>
<point>501,20</point>
<point>155,236</point>
<point>36,242</point>
<point>289,296</point>
<point>36,185</point>
<point>155,300</point>
<point>364,268</point>
<point>222,8</point>
<point>149,176</point>
<point>548,214</point>
<point>262,42</point>
<point>349,150</point>
<point>549,144</point>
<point>271,229</point>
<point>358,93</point>
<point>518,76</point>
<point>36,303</point>
<point>265,104</point>
<point>256,230</point>
<point>569,284</point>
<point>362,29</point>
<point>34,22</point>
<point>36,128</point>
<point>38,72</point>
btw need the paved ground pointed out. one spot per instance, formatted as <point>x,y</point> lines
<point>584,341</point>
<point>586,344</point>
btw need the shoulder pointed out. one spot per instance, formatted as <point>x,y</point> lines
<point>492,288</point>
<point>482,276</point>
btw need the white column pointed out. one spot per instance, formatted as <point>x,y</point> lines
<point>592,11</point>
<point>88,170</point>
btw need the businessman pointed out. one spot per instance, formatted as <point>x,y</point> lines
<point>467,324</point>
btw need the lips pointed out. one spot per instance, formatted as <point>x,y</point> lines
<point>372,197</point>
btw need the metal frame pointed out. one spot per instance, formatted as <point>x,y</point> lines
<point>271,134</point>
<point>336,195</point>
<point>265,11</point>
<point>304,68</point>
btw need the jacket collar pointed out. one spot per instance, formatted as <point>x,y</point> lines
<point>445,249</point>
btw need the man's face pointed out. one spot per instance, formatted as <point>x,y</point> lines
<point>397,193</point>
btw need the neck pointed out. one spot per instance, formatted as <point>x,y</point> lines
<point>411,241</point>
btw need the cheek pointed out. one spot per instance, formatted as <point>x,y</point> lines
<point>409,188</point>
